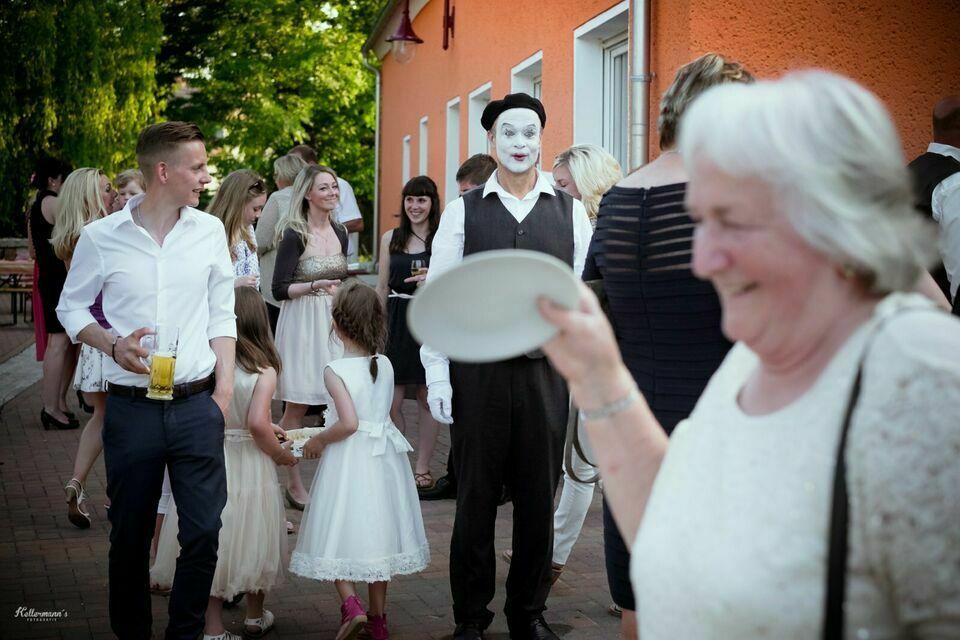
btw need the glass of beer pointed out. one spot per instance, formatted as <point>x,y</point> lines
<point>163,360</point>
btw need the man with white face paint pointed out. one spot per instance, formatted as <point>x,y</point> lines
<point>509,416</point>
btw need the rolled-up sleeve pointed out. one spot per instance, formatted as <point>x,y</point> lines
<point>223,321</point>
<point>83,284</point>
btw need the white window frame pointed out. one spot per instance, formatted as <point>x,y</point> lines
<point>528,76</point>
<point>405,162</point>
<point>476,135</point>
<point>452,160</point>
<point>588,57</point>
<point>424,145</point>
<point>616,125</point>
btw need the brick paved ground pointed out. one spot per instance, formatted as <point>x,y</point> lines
<point>48,565</point>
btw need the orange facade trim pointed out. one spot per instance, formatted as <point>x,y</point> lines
<point>904,50</point>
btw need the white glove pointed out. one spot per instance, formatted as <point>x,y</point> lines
<point>440,401</point>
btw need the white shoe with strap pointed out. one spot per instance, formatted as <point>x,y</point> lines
<point>258,627</point>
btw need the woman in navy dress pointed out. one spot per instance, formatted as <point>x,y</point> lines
<point>667,322</point>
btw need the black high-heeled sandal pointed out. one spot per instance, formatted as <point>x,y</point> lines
<point>49,422</point>
<point>83,403</point>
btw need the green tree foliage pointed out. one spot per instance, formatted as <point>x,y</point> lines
<point>262,77</point>
<point>78,82</point>
<point>82,77</point>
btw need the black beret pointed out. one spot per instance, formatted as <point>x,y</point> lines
<point>512,101</point>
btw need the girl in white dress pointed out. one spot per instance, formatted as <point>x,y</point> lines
<point>253,535</point>
<point>363,476</point>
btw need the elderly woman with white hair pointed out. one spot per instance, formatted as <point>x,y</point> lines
<point>815,487</point>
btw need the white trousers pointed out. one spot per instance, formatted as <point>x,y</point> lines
<point>575,499</point>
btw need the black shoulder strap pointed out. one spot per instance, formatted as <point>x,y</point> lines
<point>839,526</point>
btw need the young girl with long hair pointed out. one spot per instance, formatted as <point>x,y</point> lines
<point>401,250</point>
<point>311,262</point>
<point>252,545</point>
<point>365,526</point>
<point>86,196</point>
<point>238,204</point>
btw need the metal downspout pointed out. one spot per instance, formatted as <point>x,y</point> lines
<point>376,165</point>
<point>640,79</point>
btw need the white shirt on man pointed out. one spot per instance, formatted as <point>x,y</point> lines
<point>945,204</point>
<point>186,284</point>
<point>447,249</point>
<point>347,211</point>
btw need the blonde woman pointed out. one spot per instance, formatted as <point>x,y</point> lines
<point>311,262</point>
<point>238,204</point>
<point>586,172</point>
<point>285,170</point>
<point>86,196</point>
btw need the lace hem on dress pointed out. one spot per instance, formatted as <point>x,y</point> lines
<point>380,570</point>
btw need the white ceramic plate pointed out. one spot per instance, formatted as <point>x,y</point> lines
<point>485,308</point>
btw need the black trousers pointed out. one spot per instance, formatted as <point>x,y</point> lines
<point>140,437</point>
<point>509,420</point>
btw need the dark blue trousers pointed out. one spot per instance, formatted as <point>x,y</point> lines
<point>140,437</point>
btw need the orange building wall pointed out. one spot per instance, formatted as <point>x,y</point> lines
<point>491,37</point>
<point>905,51</point>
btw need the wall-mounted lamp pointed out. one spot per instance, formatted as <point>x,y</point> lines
<point>448,12</point>
<point>404,41</point>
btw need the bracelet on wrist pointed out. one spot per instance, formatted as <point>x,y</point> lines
<point>113,348</point>
<point>611,408</point>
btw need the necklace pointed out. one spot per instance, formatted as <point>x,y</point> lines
<point>415,235</point>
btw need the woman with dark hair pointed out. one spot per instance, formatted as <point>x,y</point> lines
<point>400,248</point>
<point>60,356</point>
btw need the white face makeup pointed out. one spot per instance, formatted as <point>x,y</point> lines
<point>517,137</point>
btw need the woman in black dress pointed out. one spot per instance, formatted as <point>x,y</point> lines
<point>399,248</point>
<point>60,356</point>
<point>667,322</point>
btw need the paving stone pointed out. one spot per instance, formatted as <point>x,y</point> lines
<point>46,563</point>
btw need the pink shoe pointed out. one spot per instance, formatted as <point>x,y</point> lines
<point>376,628</point>
<point>352,618</point>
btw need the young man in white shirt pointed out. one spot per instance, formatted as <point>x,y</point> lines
<point>509,416</point>
<point>160,262</point>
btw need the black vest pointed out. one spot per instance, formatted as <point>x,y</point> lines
<point>929,170</point>
<point>487,225</point>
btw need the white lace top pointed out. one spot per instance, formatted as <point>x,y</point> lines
<point>246,263</point>
<point>733,543</point>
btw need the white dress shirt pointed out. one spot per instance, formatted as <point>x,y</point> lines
<point>945,204</point>
<point>187,284</point>
<point>347,211</point>
<point>447,250</point>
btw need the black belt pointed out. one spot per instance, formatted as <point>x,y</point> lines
<point>182,390</point>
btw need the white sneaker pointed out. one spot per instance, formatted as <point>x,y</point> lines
<point>226,635</point>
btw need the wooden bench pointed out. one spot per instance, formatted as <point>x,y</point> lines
<point>16,279</point>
